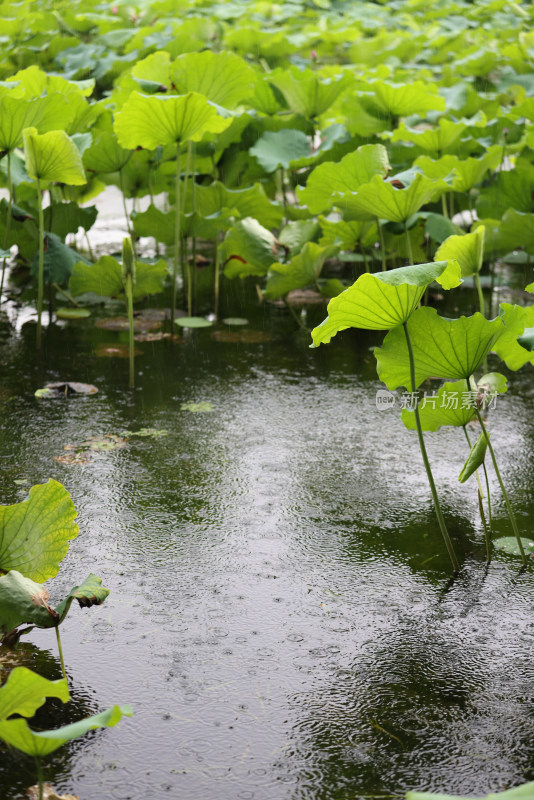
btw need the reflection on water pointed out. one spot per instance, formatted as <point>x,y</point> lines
<point>280,616</point>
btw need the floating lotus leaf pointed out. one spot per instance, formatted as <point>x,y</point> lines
<point>524,792</point>
<point>329,180</point>
<point>152,120</point>
<point>241,337</point>
<point>204,406</point>
<point>53,157</point>
<point>65,389</point>
<point>301,271</point>
<point>235,321</point>
<point>35,534</point>
<point>442,348</point>
<point>193,322</point>
<point>113,351</point>
<point>468,250</point>
<point>383,300</point>
<point>508,544</point>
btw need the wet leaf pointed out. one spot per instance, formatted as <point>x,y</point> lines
<point>383,300</point>
<point>26,691</point>
<point>193,322</point>
<point>71,312</point>
<point>508,544</point>
<point>24,601</point>
<point>16,732</point>
<point>65,389</point>
<point>89,593</point>
<point>105,443</point>
<point>35,534</point>
<point>475,459</point>
<point>202,407</point>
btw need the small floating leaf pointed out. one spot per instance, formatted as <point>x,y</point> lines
<point>197,408</point>
<point>65,389</point>
<point>156,337</point>
<point>193,322</point>
<point>154,433</point>
<point>235,321</point>
<point>116,351</point>
<point>245,337</point>
<point>508,544</point>
<point>141,325</point>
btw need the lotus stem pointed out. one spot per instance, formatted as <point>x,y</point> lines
<point>408,244</point>
<point>125,207</point>
<point>177,238</point>
<point>40,780</point>
<point>511,515</point>
<point>40,286</point>
<point>60,649</point>
<point>217,278</point>
<point>439,514</point>
<point>444,206</point>
<point>131,345</point>
<point>382,245</point>
<point>8,221</point>
<point>193,209</point>
<point>487,532</point>
<point>481,304</point>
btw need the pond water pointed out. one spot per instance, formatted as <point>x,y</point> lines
<point>281,617</point>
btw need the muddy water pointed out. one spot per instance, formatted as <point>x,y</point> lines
<point>280,615</point>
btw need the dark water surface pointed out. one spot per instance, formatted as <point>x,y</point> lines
<point>280,615</point>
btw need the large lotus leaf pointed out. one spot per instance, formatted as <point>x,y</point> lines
<point>43,113</point>
<point>354,170</point>
<point>275,149</point>
<point>348,234</point>
<point>468,172</point>
<point>35,534</point>
<point>439,141</point>
<point>152,120</point>
<point>248,249</point>
<point>104,278</point>
<point>105,154</point>
<point>512,189</point>
<point>159,224</point>
<point>16,733</point>
<point>509,347</point>
<point>32,82</point>
<point>517,230</point>
<point>53,156</point>
<point>307,92</point>
<point>24,601</point>
<point>64,218</point>
<point>302,270</point>
<point>26,691</point>
<point>381,199</point>
<point>404,99</point>
<point>59,260</point>
<point>249,202</point>
<point>224,78</point>
<point>297,233</point>
<point>524,792</point>
<point>442,348</point>
<point>468,250</point>
<point>451,405</point>
<point>383,300</point>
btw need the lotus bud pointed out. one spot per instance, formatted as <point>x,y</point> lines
<point>128,261</point>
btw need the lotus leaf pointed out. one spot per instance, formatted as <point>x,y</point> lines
<point>25,691</point>
<point>275,149</point>
<point>53,157</point>
<point>524,792</point>
<point>468,251</point>
<point>301,271</point>
<point>105,278</point>
<point>403,99</point>
<point>248,249</point>
<point>224,78</point>
<point>308,92</point>
<point>381,199</point>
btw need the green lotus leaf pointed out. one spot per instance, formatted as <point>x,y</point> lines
<point>248,249</point>
<point>193,322</point>
<point>301,271</point>
<point>308,92</point>
<point>468,172</point>
<point>383,300</point>
<point>379,198</point>
<point>509,346</point>
<point>59,260</point>
<point>468,250</point>
<point>275,149</point>
<point>70,312</point>
<point>508,544</point>
<point>404,99</point>
<point>53,156</point>
<point>64,218</point>
<point>439,227</point>
<point>16,732</point>
<point>330,179</point>
<point>24,601</point>
<point>105,154</point>
<point>524,792</point>
<point>155,68</point>
<point>526,339</point>
<point>451,405</point>
<point>249,202</point>
<point>295,234</point>
<point>152,120</point>
<point>224,78</point>
<point>475,458</point>
<point>348,234</point>
<point>512,189</point>
<point>35,534</point>
<point>444,139</point>
<point>517,230</point>
<point>442,348</point>
<point>42,113</point>
<point>26,691</point>
<point>89,593</point>
<point>104,278</point>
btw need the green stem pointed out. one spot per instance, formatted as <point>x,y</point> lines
<point>481,304</point>
<point>487,533</point>
<point>8,220</point>
<point>177,238</point>
<point>41,264</point>
<point>66,295</point>
<point>444,206</point>
<point>125,207</point>
<point>40,780</point>
<point>408,244</point>
<point>382,245</point>
<point>61,653</point>
<point>451,205</point>
<point>501,484</point>
<point>193,209</point>
<point>217,278</point>
<point>439,514</point>
<point>131,345</point>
